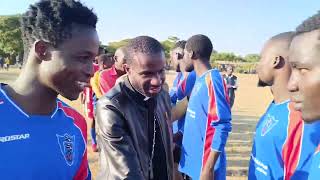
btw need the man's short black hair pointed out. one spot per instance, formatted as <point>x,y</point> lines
<point>124,50</point>
<point>143,44</point>
<point>102,50</point>
<point>105,57</point>
<point>200,45</point>
<point>310,24</point>
<point>52,20</point>
<point>180,44</point>
<point>110,54</point>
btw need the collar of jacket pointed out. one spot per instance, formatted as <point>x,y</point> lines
<point>137,96</point>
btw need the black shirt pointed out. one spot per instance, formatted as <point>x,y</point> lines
<point>159,159</point>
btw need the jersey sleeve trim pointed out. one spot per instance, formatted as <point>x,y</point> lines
<point>291,149</point>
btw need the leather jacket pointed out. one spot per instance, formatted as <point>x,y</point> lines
<point>123,134</point>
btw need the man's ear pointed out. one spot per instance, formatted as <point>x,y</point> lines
<point>126,67</point>
<point>42,50</point>
<point>193,55</point>
<point>180,56</point>
<point>278,62</point>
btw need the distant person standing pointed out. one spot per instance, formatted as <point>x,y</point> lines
<point>19,61</point>
<point>104,61</point>
<point>231,82</point>
<point>108,77</point>
<point>1,62</point>
<point>182,87</point>
<point>6,63</point>
<point>208,118</point>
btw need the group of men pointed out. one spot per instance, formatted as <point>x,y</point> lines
<point>144,131</point>
<point>286,142</point>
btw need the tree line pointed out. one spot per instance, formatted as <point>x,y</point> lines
<point>11,44</point>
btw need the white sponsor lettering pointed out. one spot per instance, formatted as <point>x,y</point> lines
<point>261,170</point>
<point>262,167</point>
<point>16,137</point>
<point>191,113</point>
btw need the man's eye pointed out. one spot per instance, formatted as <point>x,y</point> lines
<point>303,70</point>
<point>148,73</point>
<point>83,58</point>
<point>293,66</point>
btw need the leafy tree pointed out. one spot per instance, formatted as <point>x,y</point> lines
<point>167,44</point>
<point>252,58</point>
<point>113,46</point>
<point>10,35</point>
<point>173,39</point>
<point>225,56</point>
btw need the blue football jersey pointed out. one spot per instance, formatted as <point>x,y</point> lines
<point>42,146</point>
<point>315,165</point>
<point>283,144</point>
<point>182,87</point>
<point>207,125</point>
<point>174,88</point>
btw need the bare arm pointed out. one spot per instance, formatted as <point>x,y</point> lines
<point>208,169</point>
<point>179,110</point>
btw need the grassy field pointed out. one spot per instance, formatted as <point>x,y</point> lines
<point>250,103</point>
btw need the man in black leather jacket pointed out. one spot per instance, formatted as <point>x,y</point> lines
<point>133,118</point>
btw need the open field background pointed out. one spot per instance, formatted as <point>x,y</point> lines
<point>250,103</point>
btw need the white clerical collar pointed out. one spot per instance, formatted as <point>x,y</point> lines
<point>146,98</point>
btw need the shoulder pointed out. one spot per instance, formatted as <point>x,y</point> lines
<point>116,92</point>
<point>104,72</point>
<point>4,101</point>
<point>192,75</point>
<point>164,97</point>
<point>164,94</point>
<point>77,118</point>
<point>115,97</point>
<point>95,77</point>
<point>215,72</point>
<point>178,76</point>
<point>210,76</point>
<point>164,101</point>
<point>69,111</point>
<point>110,112</point>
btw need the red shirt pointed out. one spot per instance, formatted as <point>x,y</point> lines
<point>108,79</point>
<point>95,67</point>
<point>88,94</point>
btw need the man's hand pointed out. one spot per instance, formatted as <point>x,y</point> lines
<point>206,175</point>
<point>208,169</point>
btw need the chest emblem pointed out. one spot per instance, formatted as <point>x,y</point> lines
<point>268,124</point>
<point>66,144</point>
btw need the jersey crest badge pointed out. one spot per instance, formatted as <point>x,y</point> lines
<point>268,125</point>
<point>66,143</point>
